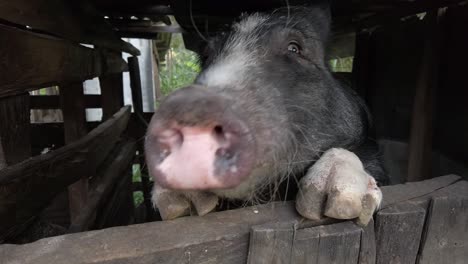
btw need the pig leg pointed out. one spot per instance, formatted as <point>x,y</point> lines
<point>172,204</point>
<point>337,186</point>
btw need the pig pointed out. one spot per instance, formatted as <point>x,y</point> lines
<point>266,109</point>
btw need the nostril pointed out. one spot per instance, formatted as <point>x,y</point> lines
<point>218,131</point>
<point>224,153</point>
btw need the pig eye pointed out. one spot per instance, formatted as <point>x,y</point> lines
<point>294,47</point>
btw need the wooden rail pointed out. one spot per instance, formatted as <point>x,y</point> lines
<point>27,187</point>
<point>425,220</point>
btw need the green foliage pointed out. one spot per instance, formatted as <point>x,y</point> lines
<point>180,67</point>
<point>138,198</point>
<point>341,64</point>
<point>136,173</point>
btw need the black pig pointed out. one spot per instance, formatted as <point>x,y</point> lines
<point>266,108</point>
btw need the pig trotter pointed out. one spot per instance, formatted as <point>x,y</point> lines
<point>172,204</point>
<point>337,186</point>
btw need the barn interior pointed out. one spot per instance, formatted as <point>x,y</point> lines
<point>65,172</point>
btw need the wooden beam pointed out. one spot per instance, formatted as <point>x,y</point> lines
<point>53,101</point>
<point>27,187</point>
<point>112,94</point>
<point>74,121</point>
<point>32,61</point>
<point>117,167</point>
<point>221,237</point>
<point>75,21</point>
<point>420,142</point>
<point>15,128</point>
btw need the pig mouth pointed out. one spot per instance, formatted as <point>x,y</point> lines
<point>218,155</point>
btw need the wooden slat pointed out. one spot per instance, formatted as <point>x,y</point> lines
<point>368,248</point>
<point>420,143</point>
<point>72,20</point>
<point>32,61</point>
<point>271,243</point>
<point>15,128</point>
<point>398,232</point>
<point>27,187</point>
<point>74,121</point>
<point>115,168</point>
<point>53,101</point>
<point>306,246</point>
<point>339,243</point>
<point>112,94</point>
<point>446,238</point>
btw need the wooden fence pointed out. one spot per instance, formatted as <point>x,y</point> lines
<point>421,222</point>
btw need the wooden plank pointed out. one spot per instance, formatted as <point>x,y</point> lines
<point>446,236</point>
<point>53,101</point>
<point>398,232</point>
<point>27,187</point>
<point>114,169</point>
<point>33,61</point>
<point>306,246</point>
<point>367,253</point>
<point>339,243</point>
<point>74,121</point>
<point>3,163</point>
<point>271,243</point>
<point>76,21</point>
<point>402,192</point>
<point>420,143</point>
<point>118,209</point>
<point>221,237</point>
<point>15,128</point>
<point>112,94</point>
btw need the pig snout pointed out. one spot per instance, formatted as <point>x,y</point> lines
<point>196,141</point>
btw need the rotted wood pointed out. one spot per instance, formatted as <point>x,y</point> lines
<point>33,61</point>
<point>74,121</point>
<point>112,94</point>
<point>221,237</point>
<point>15,128</point>
<point>116,166</point>
<point>398,232</point>
<point>420,143</point>
<point>27,187</point>
<point>75,21</point>
<point>446,237</point>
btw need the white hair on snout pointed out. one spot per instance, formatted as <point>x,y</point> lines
<point>240,53</point>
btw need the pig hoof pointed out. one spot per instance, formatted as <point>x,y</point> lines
<point>173,204</point>
<point>337,186</point>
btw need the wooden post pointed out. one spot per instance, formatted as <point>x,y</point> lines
<point>135,84</point>
<point>15,128</point>
<point>111,94</point>
<point>420,144</point>
<point>74,119</point>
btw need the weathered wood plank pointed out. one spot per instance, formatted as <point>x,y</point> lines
<point>27,187</point>
<point>271,243</point>
<point>112,94</point>
<point>74,121</point>
<point>221,237</point>
<point>446,236</point>
<point>339,243</point>
<point>76,21</point>
<point>15,128</point>
<point>402,192</point>
<point>420,143</point>
<point>306,246</point>
<point>368,248</point>
<point>53,101</point>
<point>115,168</point>
<point>32,61</point>
<point>398,232</point>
